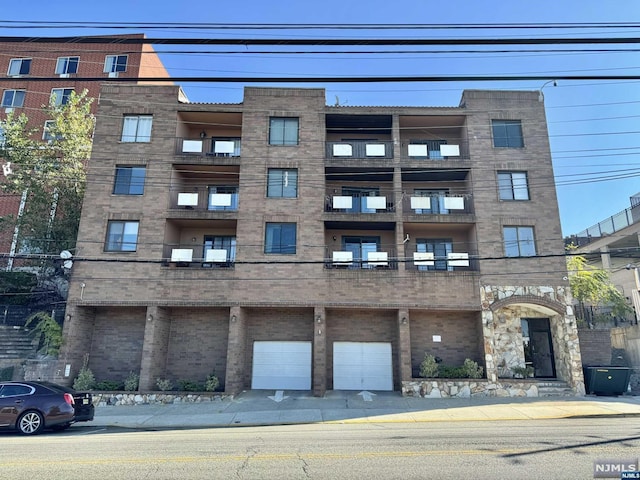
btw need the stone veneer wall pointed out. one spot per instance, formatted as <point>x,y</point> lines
<point>101,399</point>
<point>430,388</point>
<point>502,309</point>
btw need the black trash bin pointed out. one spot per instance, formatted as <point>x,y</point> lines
<point>602,380</point>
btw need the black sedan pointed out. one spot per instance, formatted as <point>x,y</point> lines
<point>30,407</point>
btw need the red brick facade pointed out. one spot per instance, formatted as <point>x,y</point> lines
<point>183,319</point>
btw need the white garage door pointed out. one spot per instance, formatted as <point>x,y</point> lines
<point>281,366</point>
<point>362,366</point>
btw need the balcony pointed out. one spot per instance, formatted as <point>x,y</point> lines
<point>434,150</point>
<point>359,149</point>
<point>212,147</point>
<point>365,260</point>
<point>438,257</point>
<point>204,198</point>
<point>417,204</point>
<point>351,202</point>
<point>198,256</point>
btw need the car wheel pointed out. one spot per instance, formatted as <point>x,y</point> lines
<point>30,423</point>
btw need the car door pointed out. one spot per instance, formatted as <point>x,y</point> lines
<point>11,402</point>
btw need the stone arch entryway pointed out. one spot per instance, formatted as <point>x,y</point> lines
<point>546,313</point>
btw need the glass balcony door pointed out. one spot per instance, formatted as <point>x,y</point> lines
<point>437,201</point>
<point>360,247</point>
<point>440,248</point>
<point>219,242</point>
<point>359,195</point>
<point>229,190</point>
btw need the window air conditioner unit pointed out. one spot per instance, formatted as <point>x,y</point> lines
<point>181,255</point>
<point>418,150</point>
<point>420,203</point>
<point>220,199</point>
<point>342,259</point>
<point>342,202</point>
<point>215,256</point>
<point>377,203</point>
<point>223,147</point>
<point>458,259</point>
<point>113,74</point>
<point>342,150</point>
<point>423,258</point>
<point>192,146</point>
<point>450,150</point>
<point>375,150</point>
<point>64,75</point>
<point>454,203</point>
<point>378,259</point>
<point>187,199</point>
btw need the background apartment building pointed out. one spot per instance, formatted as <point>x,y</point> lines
<point>63,67</point>
<point>285,244</point>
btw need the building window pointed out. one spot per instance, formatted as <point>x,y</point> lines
<point>13,98</point>
<point>283,131</point>
<point>519,242</point>
<point>122,236</point>
<point>115,63</point>
<point>282,182</point>
<point>360,247</point>
<point>222,242</point>
<point>137,128</point>
<point>60,96</point>
<point>129,181</point>
<point>513,186</point>
<point>440,249</point>
<point>67,65</point>
<point>47,136</point>
<point>507,133</point>
<point>19,66</point>
<point>280,238</point>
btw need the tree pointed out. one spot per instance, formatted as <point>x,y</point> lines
<point>52,173</point>
<point>590,285</point>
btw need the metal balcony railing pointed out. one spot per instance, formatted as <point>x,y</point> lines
<point>420,204</point>
<point>354,202</point>
<point>382,259</point>
<point>216,147</point>
<point>434,150</point>
<point>197,256</point>
<point>204,197</point>
<point>360,149</point>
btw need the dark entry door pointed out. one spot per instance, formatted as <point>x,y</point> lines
<point>538,348</point>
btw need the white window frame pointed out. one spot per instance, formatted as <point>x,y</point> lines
<point>111,64</point>
<point>58,96</point>
<point>19,62</point>
<point>63,63</point>
<point>525,244</point>
<point>129,227</point>
<point>518,188</point>
<point>13,104</point>
<point>136,131</point>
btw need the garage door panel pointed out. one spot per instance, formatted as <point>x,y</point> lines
<point>362,366</point>
<point>281,366</point>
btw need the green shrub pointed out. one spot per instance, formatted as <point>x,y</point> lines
<point>131,382</point>
<point>211,383</point>
<point>47,331</point>
<point>472,369</point>
<point>85,379</point>
<point>522,372</point>
<point>164,384</point>
<point>108,385</point>
<point>190,386</point>
<point>446,371</point>
<point>429,367</point>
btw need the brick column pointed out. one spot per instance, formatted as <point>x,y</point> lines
<point>236,352</point>
<point>155,347</point>
<point>319,352</point>
<point>77,333</point>
<point>404,346</point>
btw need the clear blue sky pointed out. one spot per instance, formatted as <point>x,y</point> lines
<point>594,126</point>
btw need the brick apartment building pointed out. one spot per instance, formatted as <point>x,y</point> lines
<point>285,244</point>
<point>59,65</point>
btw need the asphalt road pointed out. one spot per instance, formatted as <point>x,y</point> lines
<point>549,449</point>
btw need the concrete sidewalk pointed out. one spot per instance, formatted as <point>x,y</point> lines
<point>263,407</point>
